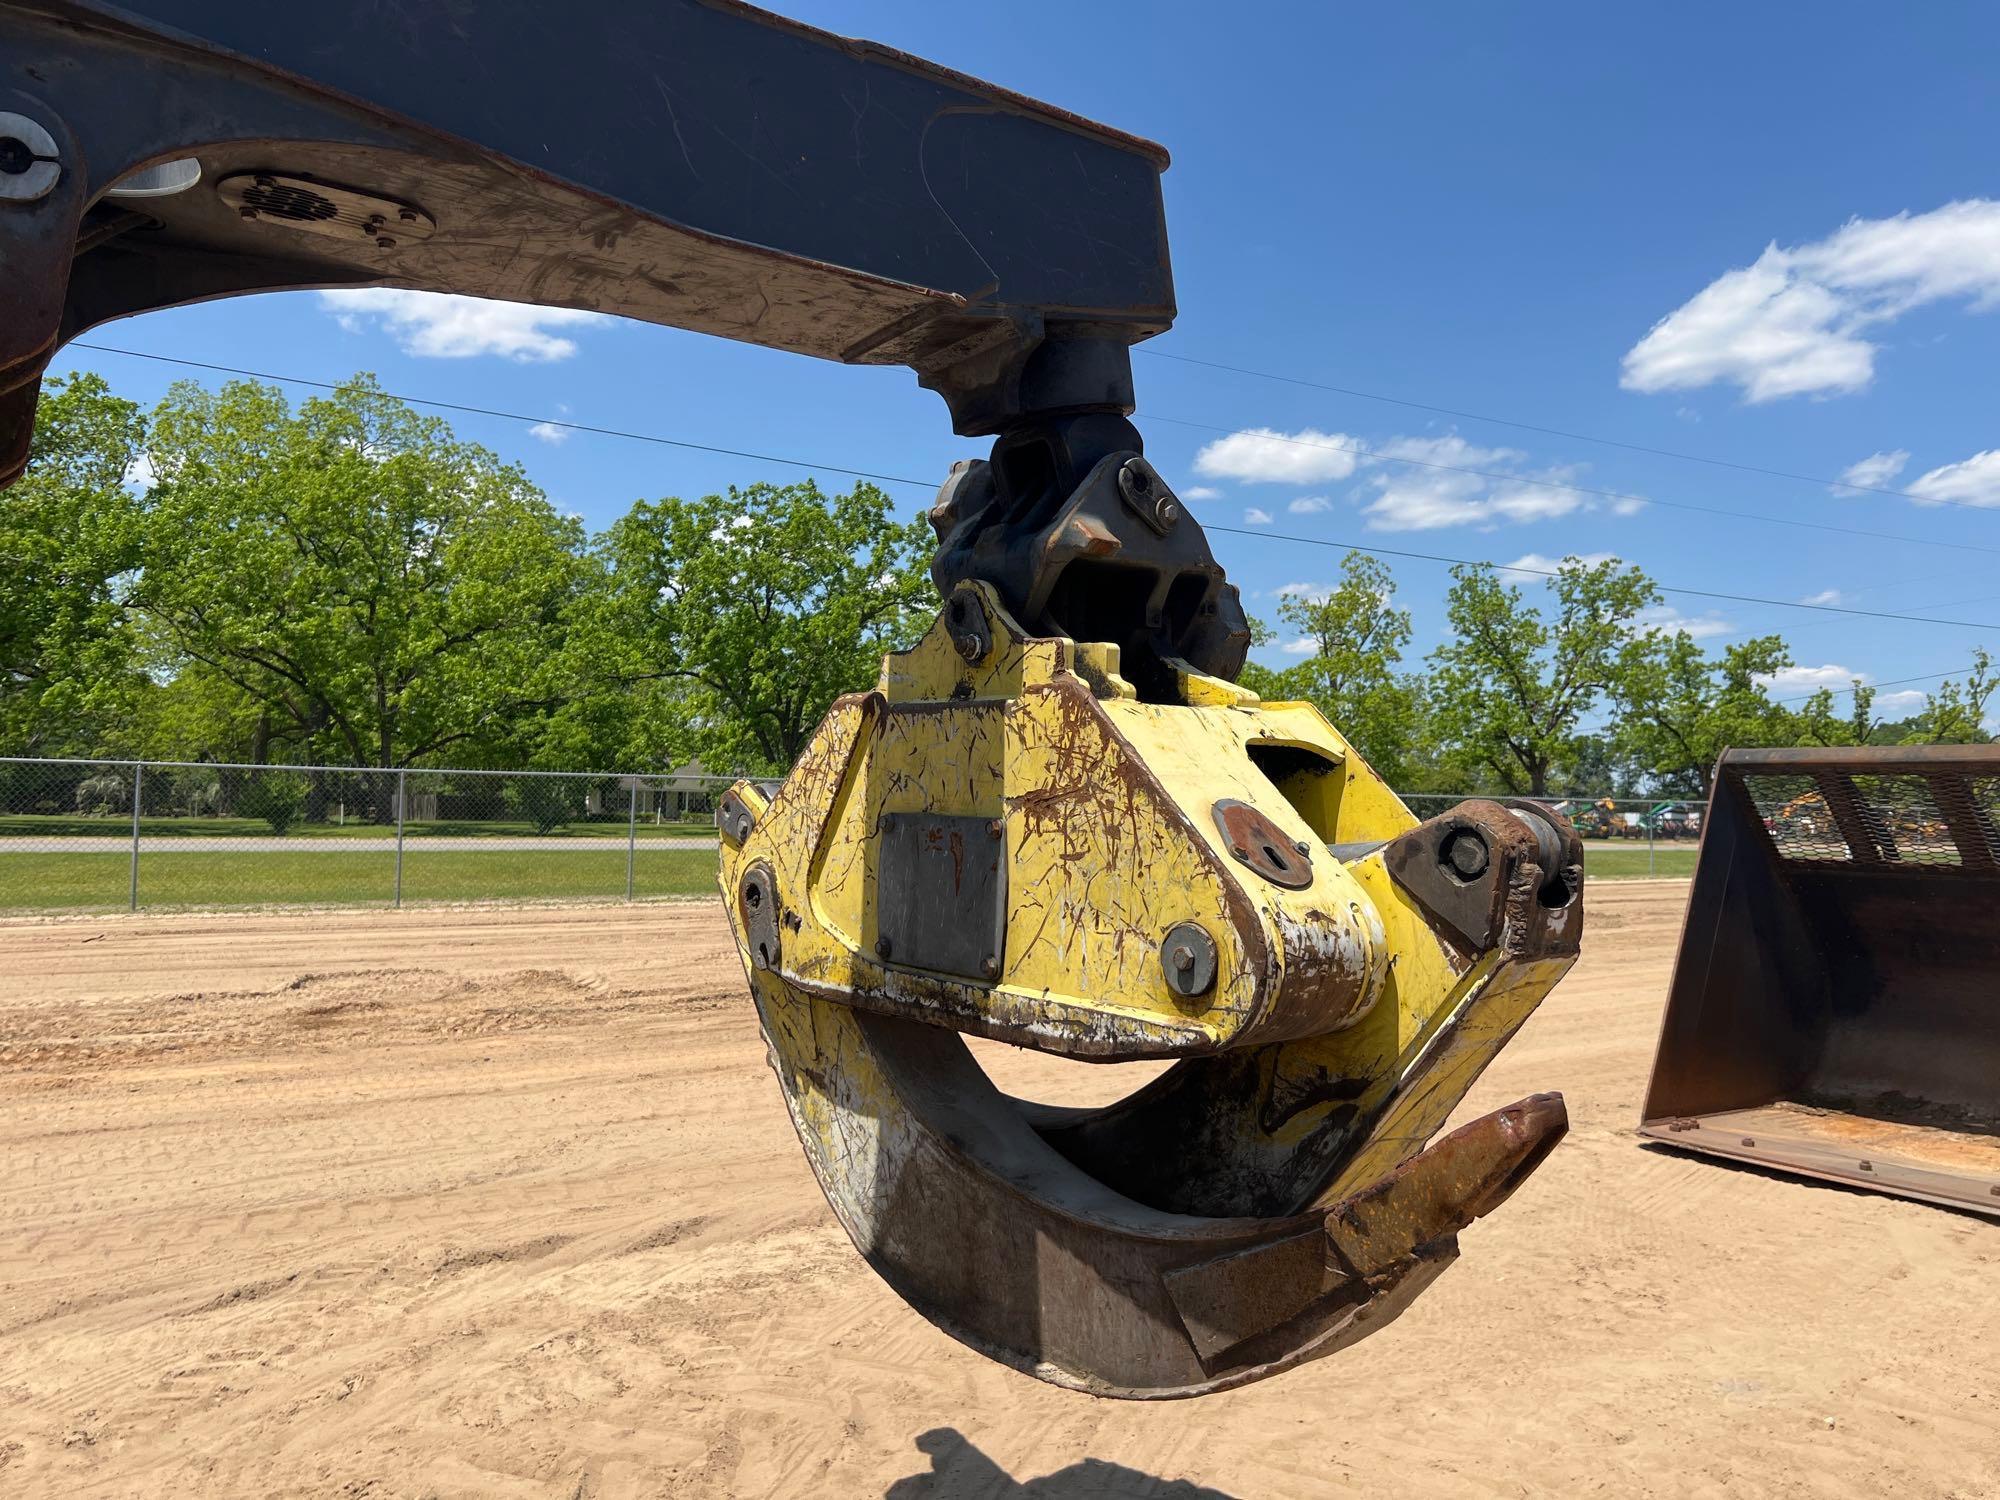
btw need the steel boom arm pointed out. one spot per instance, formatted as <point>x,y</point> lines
<point>697,163</point>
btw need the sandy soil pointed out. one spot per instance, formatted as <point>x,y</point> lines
<point>504,1203</point>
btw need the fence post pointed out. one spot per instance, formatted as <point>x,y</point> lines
<point>1651,821</point>
<point>402,779</point>
<point>138,772</point>
<point>631,829</point>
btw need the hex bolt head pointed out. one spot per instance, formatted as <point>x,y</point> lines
<point>968,646</point>
<point>990,967</point>
<point>883,948</point>
<point>1188,960</point>
<point>385,242</point>
<point>1168,513</point>
<point>995,828</point>
<point>1302,846</point>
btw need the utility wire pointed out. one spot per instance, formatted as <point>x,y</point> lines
<point>1529,481</point>
<point>1892,682</point>
<point>1665,588</point>
<point>647,437</point>
<point>513,416</point>
<point>1580,437</point>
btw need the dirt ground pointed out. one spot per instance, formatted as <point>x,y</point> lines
<point>504,1203</point>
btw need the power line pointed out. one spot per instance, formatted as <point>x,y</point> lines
<point>1665,588</point>
<point>1892,682</point>
<point>646,437</point>
<point>1580,437</point>
<point>512,416</point>
<point>1364,451</point>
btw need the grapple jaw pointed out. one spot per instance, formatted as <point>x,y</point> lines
<point>1004,840</point>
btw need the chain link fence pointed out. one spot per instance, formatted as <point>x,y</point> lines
<point>78,834</point>
<point>95,835</point>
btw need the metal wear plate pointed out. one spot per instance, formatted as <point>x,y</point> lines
<point>941,894</point>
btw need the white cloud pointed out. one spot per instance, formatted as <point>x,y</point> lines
<point>1300,647</point>
<point>1263,455</point>
<point>1903,698</point>
<point>549,432</point>
<point>1874,471</point>
<point>1541,562</point>
<point>1791,324</point>
<point>1971,481</point>
<point>1421,497</point>
<point>1824,596</point>
<point>141,474</point>
<point>1303,590</point>
<point>1412,483</point>
<point>1255,517</point>
<point>1798,681</point>
<point>1664,619</point>
<point>441,326</point>
<point>1201,492</point>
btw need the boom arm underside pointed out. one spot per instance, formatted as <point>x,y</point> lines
<point>688,162</point>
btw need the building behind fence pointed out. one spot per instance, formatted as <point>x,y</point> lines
<point>82,834</point>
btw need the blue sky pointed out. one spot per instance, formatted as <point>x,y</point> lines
<point>1769,235</point>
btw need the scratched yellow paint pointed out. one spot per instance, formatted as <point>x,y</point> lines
<point>1107,842</point>
<point>1104,807</point>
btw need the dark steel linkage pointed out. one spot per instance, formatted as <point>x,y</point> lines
<point>698,163</point>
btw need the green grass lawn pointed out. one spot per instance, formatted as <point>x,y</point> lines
<point>1622,859</point>
<point>33,825</point>
<point>54,882</point>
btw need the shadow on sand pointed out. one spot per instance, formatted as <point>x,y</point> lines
<point>960,1471</point>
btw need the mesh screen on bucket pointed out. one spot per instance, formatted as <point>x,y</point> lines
<point>1794,810</point>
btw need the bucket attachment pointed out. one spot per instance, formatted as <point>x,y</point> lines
<point>1834,1009</point>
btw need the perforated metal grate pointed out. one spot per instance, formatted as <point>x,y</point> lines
<point>1904,818</point>
<point>1986,803</point>
<point>1794,810</point>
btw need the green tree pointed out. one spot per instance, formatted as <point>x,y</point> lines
<point>1357,638</point>
<point>1956,713</point>
<point>68,536</point>
<point>737,619</point>
<point>1512,686</point>
<point>547,802</point>
<point>277,797</point>
<point>1678,708</point>
<point>381,591</point>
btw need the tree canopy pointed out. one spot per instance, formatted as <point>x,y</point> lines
<point>755,610</point>
<point>231,577</point>
<point>69,533</point>
<point>1514,685</point>
<point>380,590</point>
